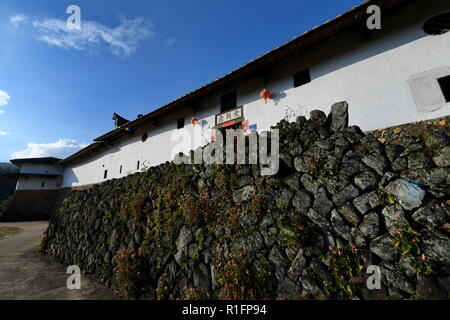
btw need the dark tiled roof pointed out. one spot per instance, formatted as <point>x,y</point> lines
<point>45,160</point>
<point>353,18</point>
<point>85,152</point>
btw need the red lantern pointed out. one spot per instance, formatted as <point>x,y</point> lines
<point>245,125</point>
<point>266,95</point>
<point>194,121</point>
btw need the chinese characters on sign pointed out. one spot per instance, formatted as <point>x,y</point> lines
<point>230,115</point>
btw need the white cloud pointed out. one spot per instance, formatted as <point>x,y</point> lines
<point>17,20</point>
<point>59,149</point>
<point>94,37</point>
<point>4,133</point>
<point>4,98</point>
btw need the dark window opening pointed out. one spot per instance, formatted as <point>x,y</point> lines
<point>120,170</point>
<point>138,165</point>
<point>301,78</point>
<point>437,25</point>
<point>228,101</point>
<point>105,174</point>
<point>42,184</point>
<point>144,137</point>
<point>444,83</point>
<point>180,123</point>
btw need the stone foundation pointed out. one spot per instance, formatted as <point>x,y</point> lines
<point>342,201</point>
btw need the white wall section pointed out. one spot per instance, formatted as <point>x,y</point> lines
<point>388,77</point>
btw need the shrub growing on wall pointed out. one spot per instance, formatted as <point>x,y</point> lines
<point>130,272</point>
<point>242,278</point>
<point>211,231</point>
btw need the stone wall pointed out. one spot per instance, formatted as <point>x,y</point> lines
<point>341,202</point>
<point>33,205</point>
<point>29,205</point>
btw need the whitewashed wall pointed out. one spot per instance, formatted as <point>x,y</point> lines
<point>127,151</point>
<point>371,71</point>
<point>34,183</point>
<point>372,75</point>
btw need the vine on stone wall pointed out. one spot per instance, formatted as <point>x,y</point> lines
<point>344,264</point>
<point>226,232</point>
<point>241,277</point>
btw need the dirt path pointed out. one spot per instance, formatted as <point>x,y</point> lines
<point>24,274</point>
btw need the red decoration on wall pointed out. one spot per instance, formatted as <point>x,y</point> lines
<point>228,123</point>
<point>266,95</point>
<point>245,125</point>
<point>194,121</point>
<point>213,135</point>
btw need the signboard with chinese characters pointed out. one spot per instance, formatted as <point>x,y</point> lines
<point>230,117</point>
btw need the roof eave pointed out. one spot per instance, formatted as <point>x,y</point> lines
<point>76,157</point>
<point>343,22</point>
<point>43,160</point>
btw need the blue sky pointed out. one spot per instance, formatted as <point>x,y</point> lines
<point>58,90</point>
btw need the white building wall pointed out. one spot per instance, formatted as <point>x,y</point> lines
<point>371,75</point>
<point>128,150</point>
<point>33,183</point>
<point>371,71</point>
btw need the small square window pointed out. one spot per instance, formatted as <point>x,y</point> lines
<point>105,174</point>
<point>228,101</point>
<point>180,123</point>
<point>444,83</point>
<point>301,78</point>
